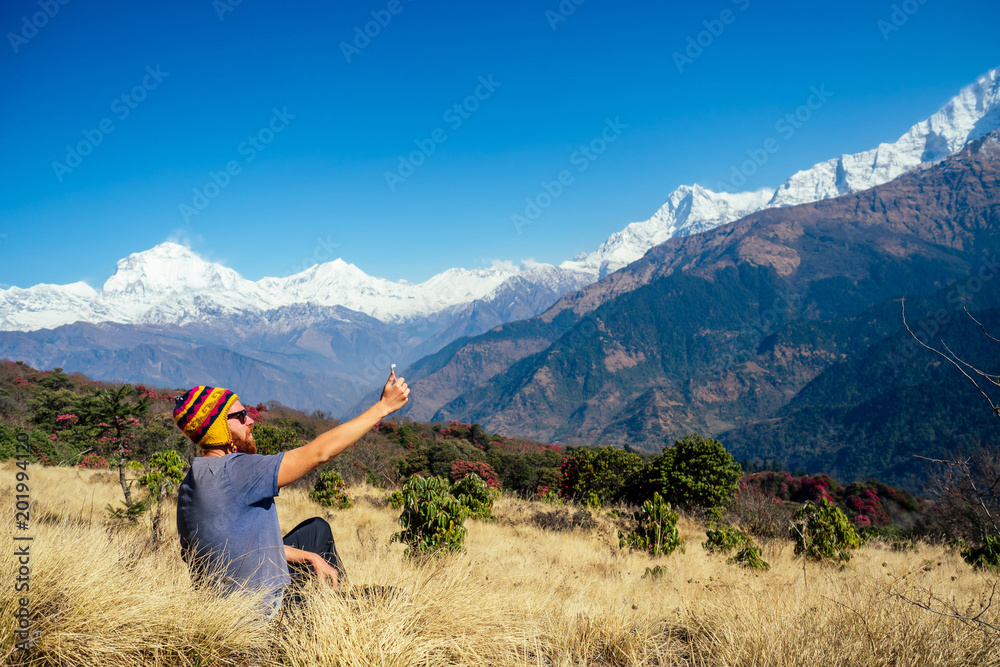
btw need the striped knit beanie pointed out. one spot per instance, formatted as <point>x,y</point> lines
<point>201,413</point>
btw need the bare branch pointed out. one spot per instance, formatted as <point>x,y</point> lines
<point>967,472</point>
<point>995,379</point>
<point>953,613</point>
<point>986,333</point>
<point>961,370</point>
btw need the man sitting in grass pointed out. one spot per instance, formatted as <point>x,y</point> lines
<point>226,516</point>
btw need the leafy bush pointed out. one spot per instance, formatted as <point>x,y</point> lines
<point>475,496</point>
<point>432,518</point>
<point>725,539</point>
<point>395,499</point>
<point>273,439</point>
<point>602,475</point>
<point>330,490</point>
<point>750,557</point>
<point>823,532</point>
<point>986,555</point>
<point>695,472</point>
<point>656,532</point>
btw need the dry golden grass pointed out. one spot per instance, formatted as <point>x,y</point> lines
<point>519,596</point>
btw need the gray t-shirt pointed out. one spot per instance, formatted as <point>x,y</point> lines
<point>228,523</point>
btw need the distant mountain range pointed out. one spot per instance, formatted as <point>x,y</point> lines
<point>323,338</point>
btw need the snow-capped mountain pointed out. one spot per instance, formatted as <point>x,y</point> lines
<point>170,284</point>
<point>971,114</point>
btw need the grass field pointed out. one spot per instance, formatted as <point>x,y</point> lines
<point>521,595</point>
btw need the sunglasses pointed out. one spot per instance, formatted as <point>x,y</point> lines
<point>241,415</point>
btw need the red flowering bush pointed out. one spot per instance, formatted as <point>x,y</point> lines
<point>94,462</point>
<point>816,488</point>
<point>462,469</point>
<point>868,506</point>
<point>254,412</point>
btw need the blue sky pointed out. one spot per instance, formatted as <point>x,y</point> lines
<point>309,128</point>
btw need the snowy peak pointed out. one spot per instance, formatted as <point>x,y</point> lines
<point>972,113</point>
<point>690,209</point>
<point>170,268</point>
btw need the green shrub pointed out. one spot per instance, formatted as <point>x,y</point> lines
<point>475,496</point>
<point>823,532</point>
<point>725,539</point>
<point>656,533</point>
<point>985,556</point>
<point>750,557</point>
<point>601,475</point>
<point>695,472</point>
<point>273,439</point>
<point>432,518</point>
<point>395,499</point>
<point>330,490</point>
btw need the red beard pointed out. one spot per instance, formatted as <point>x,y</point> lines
<point>245,445</point>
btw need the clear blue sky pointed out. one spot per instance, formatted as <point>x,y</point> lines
<point>323,175</point>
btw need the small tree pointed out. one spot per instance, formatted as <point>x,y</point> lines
<point>330,490</point>
<point>475,496</point>
<point>118,419</point>
<point>656,532</point>
<point>823,532</point>
<point>695,472</point>
<point>164,473</point>
<point>432,519</point>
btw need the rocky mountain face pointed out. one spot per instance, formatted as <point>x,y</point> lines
<point>719,331</point>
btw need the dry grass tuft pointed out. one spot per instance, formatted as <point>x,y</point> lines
<point>520,595</point>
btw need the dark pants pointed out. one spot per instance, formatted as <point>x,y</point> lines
<point>312,535</point>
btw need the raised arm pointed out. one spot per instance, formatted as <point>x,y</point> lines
<point>298,462</point>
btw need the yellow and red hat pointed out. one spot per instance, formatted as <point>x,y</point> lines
<point>201,413</point>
